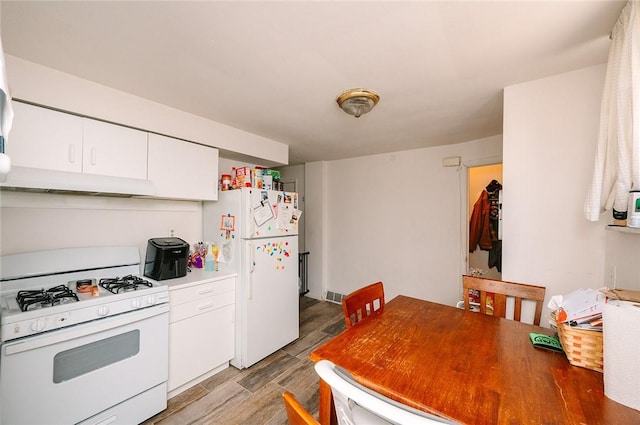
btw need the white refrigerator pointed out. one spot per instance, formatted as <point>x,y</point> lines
<point>256,232</point>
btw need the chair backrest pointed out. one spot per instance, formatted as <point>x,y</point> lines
<point>362,303</point>
<point>502,290</point>
<point>296,414</point>
<point>358,405</point>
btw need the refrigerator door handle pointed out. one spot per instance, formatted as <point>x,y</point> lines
<point>252,221</point>
<point>252,265</point>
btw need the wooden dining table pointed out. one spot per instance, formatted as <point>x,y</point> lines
<point>467,367</point>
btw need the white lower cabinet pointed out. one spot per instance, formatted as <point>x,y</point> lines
<point>201,331</point>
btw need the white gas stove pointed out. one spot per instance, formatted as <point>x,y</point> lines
<point>79,320</point>
<point>39,295</point>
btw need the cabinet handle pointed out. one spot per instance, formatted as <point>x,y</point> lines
<point>205,291</point>
<point>205,306</point>
<point>252,221</point>
<point>109,420</point>
<point>72,153</point>
<point>251,268</point>
<point>93,156</point>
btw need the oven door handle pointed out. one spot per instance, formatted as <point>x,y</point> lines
<point>84,329</point>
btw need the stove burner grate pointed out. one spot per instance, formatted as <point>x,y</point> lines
<point>40,298</point>
<point>124,284</point>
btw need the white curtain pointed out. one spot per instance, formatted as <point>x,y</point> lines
<point>617,164</point>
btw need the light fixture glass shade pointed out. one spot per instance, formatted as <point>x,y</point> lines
<point>357,102</point>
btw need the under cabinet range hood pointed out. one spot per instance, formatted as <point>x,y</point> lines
<point>52,181</point>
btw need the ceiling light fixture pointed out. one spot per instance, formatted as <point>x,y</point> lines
<point>357,102</point>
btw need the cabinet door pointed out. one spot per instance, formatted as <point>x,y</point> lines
<point>113,150</point>
<point>43,138</point>
<point>180,169</point>
<point>200,344</point>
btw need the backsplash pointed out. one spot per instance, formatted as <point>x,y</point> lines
<point>36,221</point>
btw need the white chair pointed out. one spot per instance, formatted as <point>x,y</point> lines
<point>358,405</point>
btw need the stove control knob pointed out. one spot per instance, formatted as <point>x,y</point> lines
<point>151,299</point>
<point>38,325</point>
<point>136,303</point>
<point>103,310</point>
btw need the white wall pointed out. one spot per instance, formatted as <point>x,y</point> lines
<point>33,221</point>
<point>621,262</point>
<point>316,227</point>
<point>226,165</point>
<point>550,134</point>
<point>392,217</point>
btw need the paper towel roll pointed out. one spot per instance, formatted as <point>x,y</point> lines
<point>621,352</point>
<point>5,166</point>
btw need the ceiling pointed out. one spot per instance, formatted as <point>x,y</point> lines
<point>275,68</point>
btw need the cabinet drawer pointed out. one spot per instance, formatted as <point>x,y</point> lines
<point>198,292</point>
<point>200,306</point>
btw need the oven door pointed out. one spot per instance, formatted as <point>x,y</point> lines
<point>69,375</point>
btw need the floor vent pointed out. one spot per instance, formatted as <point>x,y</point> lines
<point>334,297</point>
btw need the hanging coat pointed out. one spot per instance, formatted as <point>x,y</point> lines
<point>484,224</point>
<point>479,224</point>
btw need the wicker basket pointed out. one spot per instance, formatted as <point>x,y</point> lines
<point>582,347</point>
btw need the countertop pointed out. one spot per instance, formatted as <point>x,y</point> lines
<point>197,276</point>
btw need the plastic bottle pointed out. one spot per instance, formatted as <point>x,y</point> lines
<point>214,250</point>
<point>225,182</point>
<point>209,260</point>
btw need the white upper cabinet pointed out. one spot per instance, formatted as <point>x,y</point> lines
<point>113,150</point>
<point>47,139</point>
<point>182,170</point>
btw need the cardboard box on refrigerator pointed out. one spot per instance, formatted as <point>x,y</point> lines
<point>242,177</point>
<point>264,178</point>
<point>256,177</point>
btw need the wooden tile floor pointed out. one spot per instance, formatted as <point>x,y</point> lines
<point>253,396</point>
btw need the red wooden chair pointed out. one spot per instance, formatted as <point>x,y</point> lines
<point>296,414</point>
<point>362,303</point>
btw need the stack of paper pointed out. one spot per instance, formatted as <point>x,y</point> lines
<point>582,308</point>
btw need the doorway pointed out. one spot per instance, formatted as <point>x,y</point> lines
<point>483,261</point>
